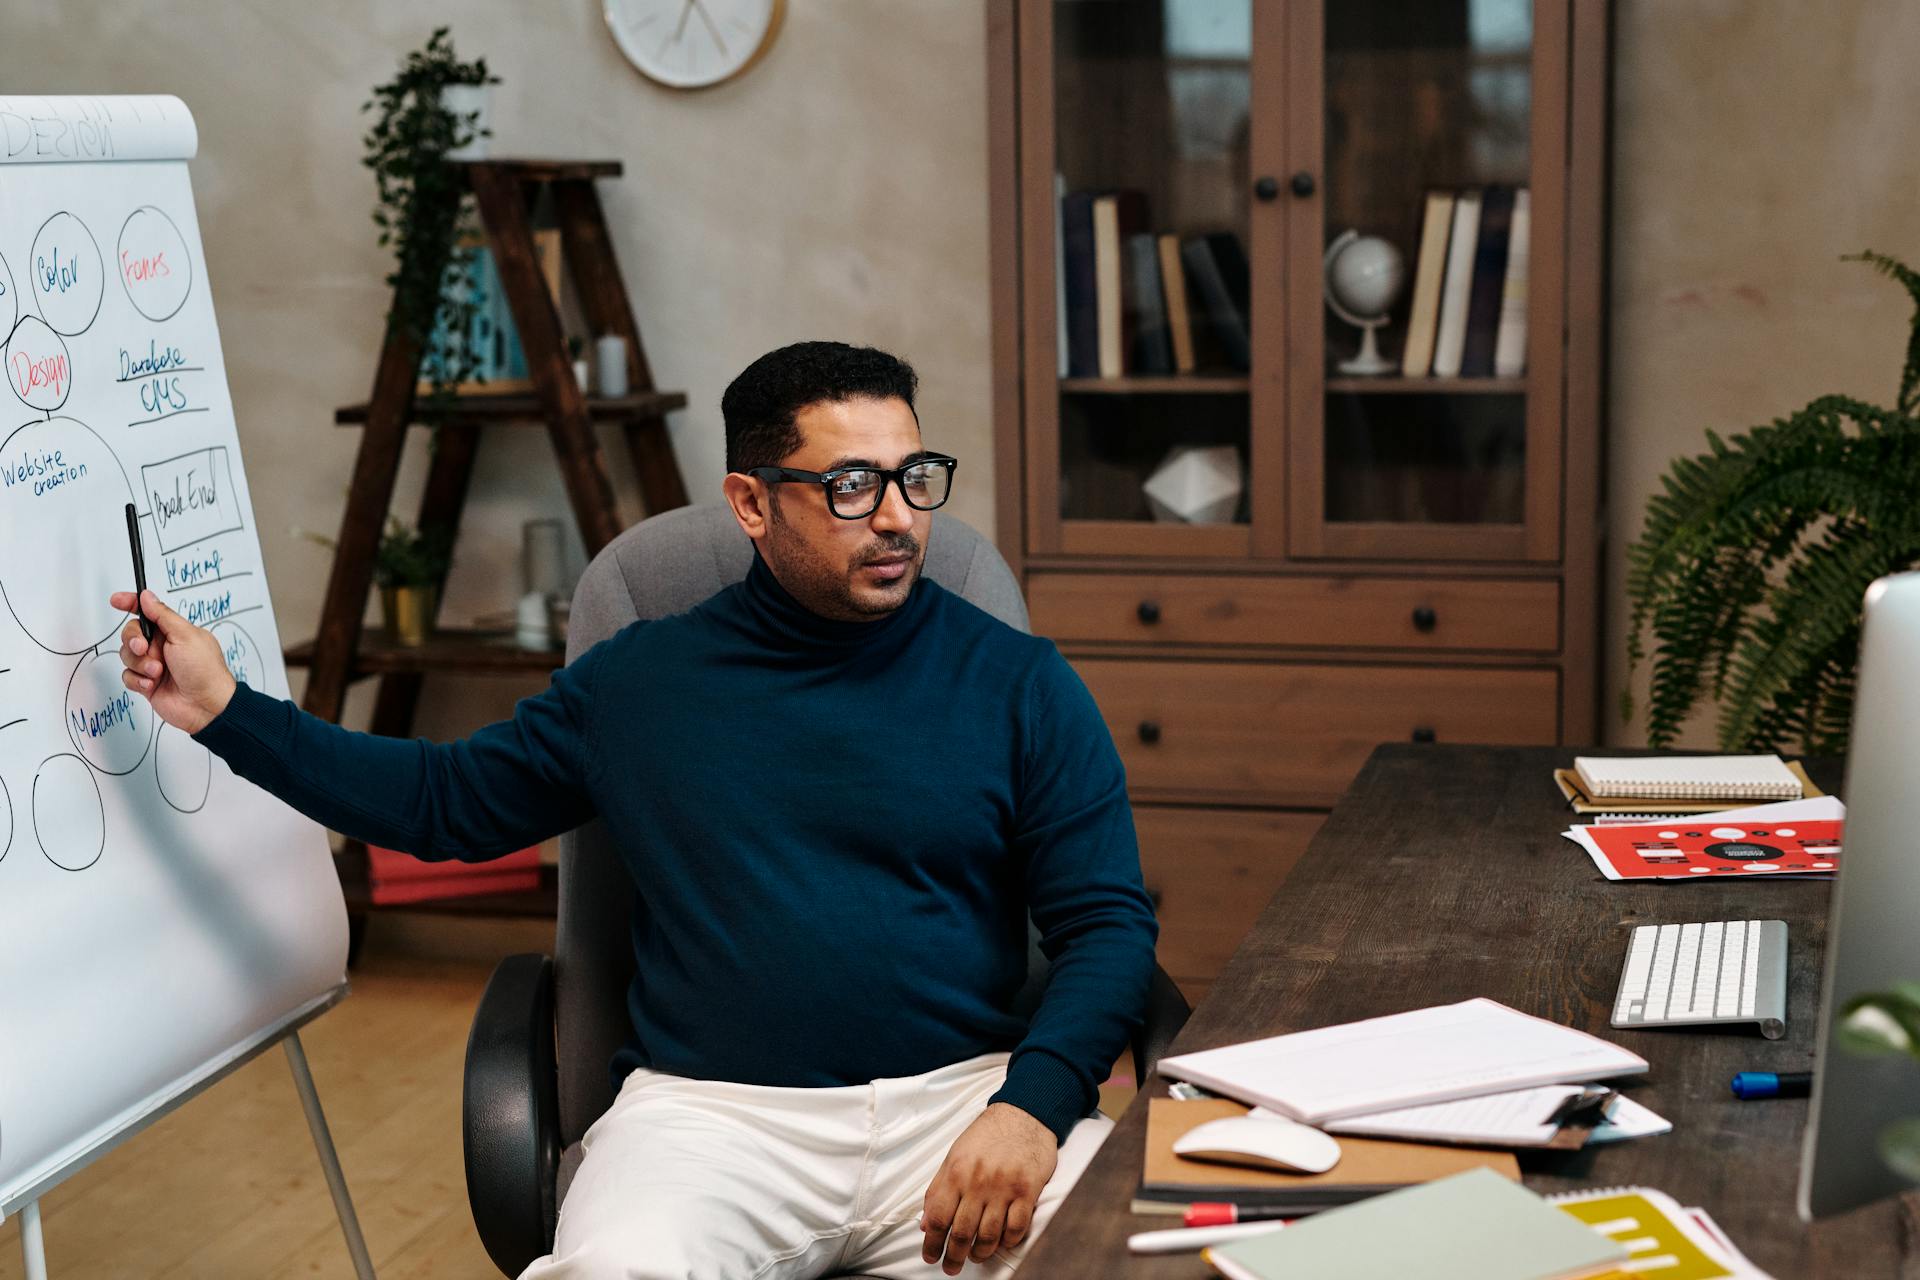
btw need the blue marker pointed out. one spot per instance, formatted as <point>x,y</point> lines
<point>1751,1086</point>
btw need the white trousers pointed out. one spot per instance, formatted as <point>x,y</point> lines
<point>702,1180</point>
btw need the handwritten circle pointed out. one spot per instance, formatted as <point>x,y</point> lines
<point>69,817</point>
<point>109,724</point>
<point>241,653</point>
<point>38,367</point>
<point>6,815</point>
<point>183,768</point>
<point>66,275</point>
<point>153,263</point>
<point>9,300</point>
<point>63,493</point>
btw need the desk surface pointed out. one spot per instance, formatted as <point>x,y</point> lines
<point>1442,875</point>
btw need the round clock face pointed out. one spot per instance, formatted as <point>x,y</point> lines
<point>690,44</point>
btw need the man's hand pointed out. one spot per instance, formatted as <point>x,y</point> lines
<point>982,1200</point>
<point>181,670</point>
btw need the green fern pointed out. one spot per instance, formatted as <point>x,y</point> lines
<point>1750,571</point>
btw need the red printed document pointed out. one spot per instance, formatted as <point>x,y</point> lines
<point>1712,845</point>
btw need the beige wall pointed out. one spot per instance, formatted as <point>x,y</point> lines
<point>836,190</point>
<point>839,189</point>
<point>1754,143</point>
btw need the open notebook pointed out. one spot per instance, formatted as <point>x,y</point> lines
<point>1688,777</point>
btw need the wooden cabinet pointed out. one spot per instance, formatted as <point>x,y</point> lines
<point>1211,872</point>
<point>1262,557</point>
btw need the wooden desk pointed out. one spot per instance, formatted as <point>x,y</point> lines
<point>1442,875</point>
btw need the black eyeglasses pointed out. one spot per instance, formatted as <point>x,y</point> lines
<point>854,493</point>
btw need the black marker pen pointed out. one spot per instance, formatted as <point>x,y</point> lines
<point>139,569</point>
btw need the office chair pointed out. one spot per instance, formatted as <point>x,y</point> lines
<point>536,1074</point>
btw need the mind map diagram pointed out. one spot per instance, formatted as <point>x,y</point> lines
<point>92,311</point>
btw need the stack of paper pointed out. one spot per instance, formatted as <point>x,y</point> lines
<point>1660,1237</point>
<point>1796,838</point>
<point>1517,1119</point>
<point>1473,1226</point>
<point>1465,1050</point>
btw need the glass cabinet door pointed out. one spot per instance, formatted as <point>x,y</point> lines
<point>1424,250</point>
<point>1139,345</point>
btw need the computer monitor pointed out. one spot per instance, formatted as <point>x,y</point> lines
<point>1873,931</point>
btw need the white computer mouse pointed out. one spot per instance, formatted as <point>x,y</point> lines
<point>1260,1143</point>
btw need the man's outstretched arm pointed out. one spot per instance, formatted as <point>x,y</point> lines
<point>507,786</point>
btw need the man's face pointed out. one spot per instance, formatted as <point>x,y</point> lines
<point>852,570</point>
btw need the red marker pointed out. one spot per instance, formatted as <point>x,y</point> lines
<point>1209,1213</point>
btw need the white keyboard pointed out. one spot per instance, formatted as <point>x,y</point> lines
<point>1719,971</point>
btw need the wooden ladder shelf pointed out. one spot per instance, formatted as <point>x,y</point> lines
<point>342,652</point>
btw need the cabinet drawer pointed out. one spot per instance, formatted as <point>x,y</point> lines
<point>1503,615</point>
<point>1296,733</point>
<point>1212,871</point>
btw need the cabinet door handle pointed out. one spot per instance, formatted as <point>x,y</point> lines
<point>1424,734</point>
<point>1301,184</point>
<point>1267,187</point>
<point>1149,731</point>
<point>1148,612</point>
<point>1425,619</point>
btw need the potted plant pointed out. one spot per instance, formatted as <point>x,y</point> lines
<point>1752,568</point>
<point>1880,1023</point>
<point>408,566</point>
<point>423,211</point>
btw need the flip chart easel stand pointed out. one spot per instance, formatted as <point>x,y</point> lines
<point>33,1239</point>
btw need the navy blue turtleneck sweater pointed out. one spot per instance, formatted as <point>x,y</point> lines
<point>836,831</point>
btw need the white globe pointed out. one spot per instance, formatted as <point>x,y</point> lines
<point>1365,276</point>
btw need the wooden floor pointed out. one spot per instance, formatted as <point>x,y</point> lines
<point>229,1185</point>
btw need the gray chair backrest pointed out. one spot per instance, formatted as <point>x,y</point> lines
<point>662,566</point>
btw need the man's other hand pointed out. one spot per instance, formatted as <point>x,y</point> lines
<point>181,670</point>
<point>982,1200</point>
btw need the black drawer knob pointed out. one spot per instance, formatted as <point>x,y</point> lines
<point>1423,734</point>
<point>1302,184</point>
<point>1267,187</point>
<point>1149,731</point>
<point>1148,612</point>
<point>1425,619</point>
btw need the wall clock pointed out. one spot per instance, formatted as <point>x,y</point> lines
<point>691,44</point>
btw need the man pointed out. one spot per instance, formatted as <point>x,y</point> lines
<point>840,791</point>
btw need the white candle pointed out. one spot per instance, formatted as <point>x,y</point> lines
<point>610,364</point>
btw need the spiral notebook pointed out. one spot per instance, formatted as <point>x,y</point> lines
<point>1688,777</point>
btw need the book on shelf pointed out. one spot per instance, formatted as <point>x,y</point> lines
<point>1216,266</point>
<point>1463,242</point>
<point>1510,344</point>
<point>1060,273</point>
<point>1423,314</point>
<point>1076,238</point>
<point>1117,215</point>
<point>1151,351</point>
<point>1173,282</point>
<point>1489,277</point>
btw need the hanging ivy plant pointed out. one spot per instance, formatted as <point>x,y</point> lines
<point>424,213</point>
